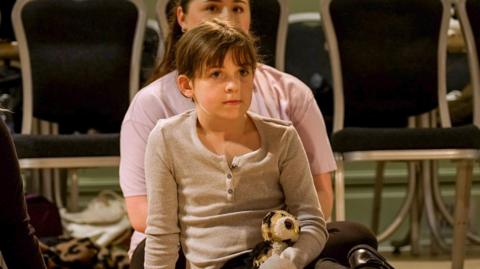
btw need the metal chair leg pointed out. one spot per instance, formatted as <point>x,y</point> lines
<point>440,203</point>
<point>462,204</point>
<point>73,206</point>
<point>429,205</point>
<point>416,210</point>
<point>402,213</point>
<point>412,238</point>
<point>377,196</point>
<point>46,175</point>
<point>413,235</point>
<point>57,188</point>
<point>339,191</point>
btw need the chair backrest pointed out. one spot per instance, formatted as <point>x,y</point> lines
<point>152,49</point>
<point>80,60</point>
<point>388,59</point>
<point>269,25</point>
<point>473,11</point>
<point>6,30</point>
<point>307,59</point>
<point>469,15</point>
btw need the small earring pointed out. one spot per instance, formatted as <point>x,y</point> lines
<point>184,30</point>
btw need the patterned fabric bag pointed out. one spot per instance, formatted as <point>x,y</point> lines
<point>72,253</point>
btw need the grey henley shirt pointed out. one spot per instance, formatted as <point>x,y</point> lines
<point>214,210</point>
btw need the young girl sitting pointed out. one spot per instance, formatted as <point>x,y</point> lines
<point>212,173</point>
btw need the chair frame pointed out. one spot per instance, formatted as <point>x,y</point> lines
<point>72,163</point>
<point>303,16</point>
<point>281,33</point>
<point>473,65</point>
<point>465,157</point>
<point>154,24</point>
<point>473,60</point>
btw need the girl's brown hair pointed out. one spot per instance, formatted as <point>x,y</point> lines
<point>206,46</point>
<point>167,63</point>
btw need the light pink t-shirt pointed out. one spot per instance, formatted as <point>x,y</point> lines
<point>276,94</point>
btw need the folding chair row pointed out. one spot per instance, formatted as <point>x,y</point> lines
<point>80,68</point>
<point>389,66</point>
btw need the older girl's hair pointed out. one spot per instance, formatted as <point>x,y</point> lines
<point>167,64</point>
<point>207,44</point>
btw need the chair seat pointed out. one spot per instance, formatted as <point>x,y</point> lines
<point>368,139</point>
<point>52,146</point>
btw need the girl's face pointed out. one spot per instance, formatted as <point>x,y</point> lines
<point>220,93</point>
<point>235,11</point>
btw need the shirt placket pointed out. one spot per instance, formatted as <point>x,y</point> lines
<point>230,185</point>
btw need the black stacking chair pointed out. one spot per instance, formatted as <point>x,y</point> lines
<point>389,64</point>
<point>307,59</point>
<point>271,30</point>
<point>80,68</point>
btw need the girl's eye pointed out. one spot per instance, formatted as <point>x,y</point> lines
<point>215,74</point>
<point>211,8</point>
<point>238,9</point>
<point>244,72</point>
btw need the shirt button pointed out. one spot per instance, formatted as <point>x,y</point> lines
<point>230,191</point>
<point>229,176</point>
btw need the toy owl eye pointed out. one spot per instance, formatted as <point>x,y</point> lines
<point>288,224</point>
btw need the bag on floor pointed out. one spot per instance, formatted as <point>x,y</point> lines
<point>44,216</point>
<point>82,253</point>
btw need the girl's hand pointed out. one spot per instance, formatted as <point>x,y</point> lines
<point>275,262</point>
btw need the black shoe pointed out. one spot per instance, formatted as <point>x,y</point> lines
<point>366,257</point>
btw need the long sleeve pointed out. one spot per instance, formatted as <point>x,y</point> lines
<point>301,200</point>
<point>18,244</point>
<point>161,250</point>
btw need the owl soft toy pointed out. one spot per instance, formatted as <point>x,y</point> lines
<point>280,230</point>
